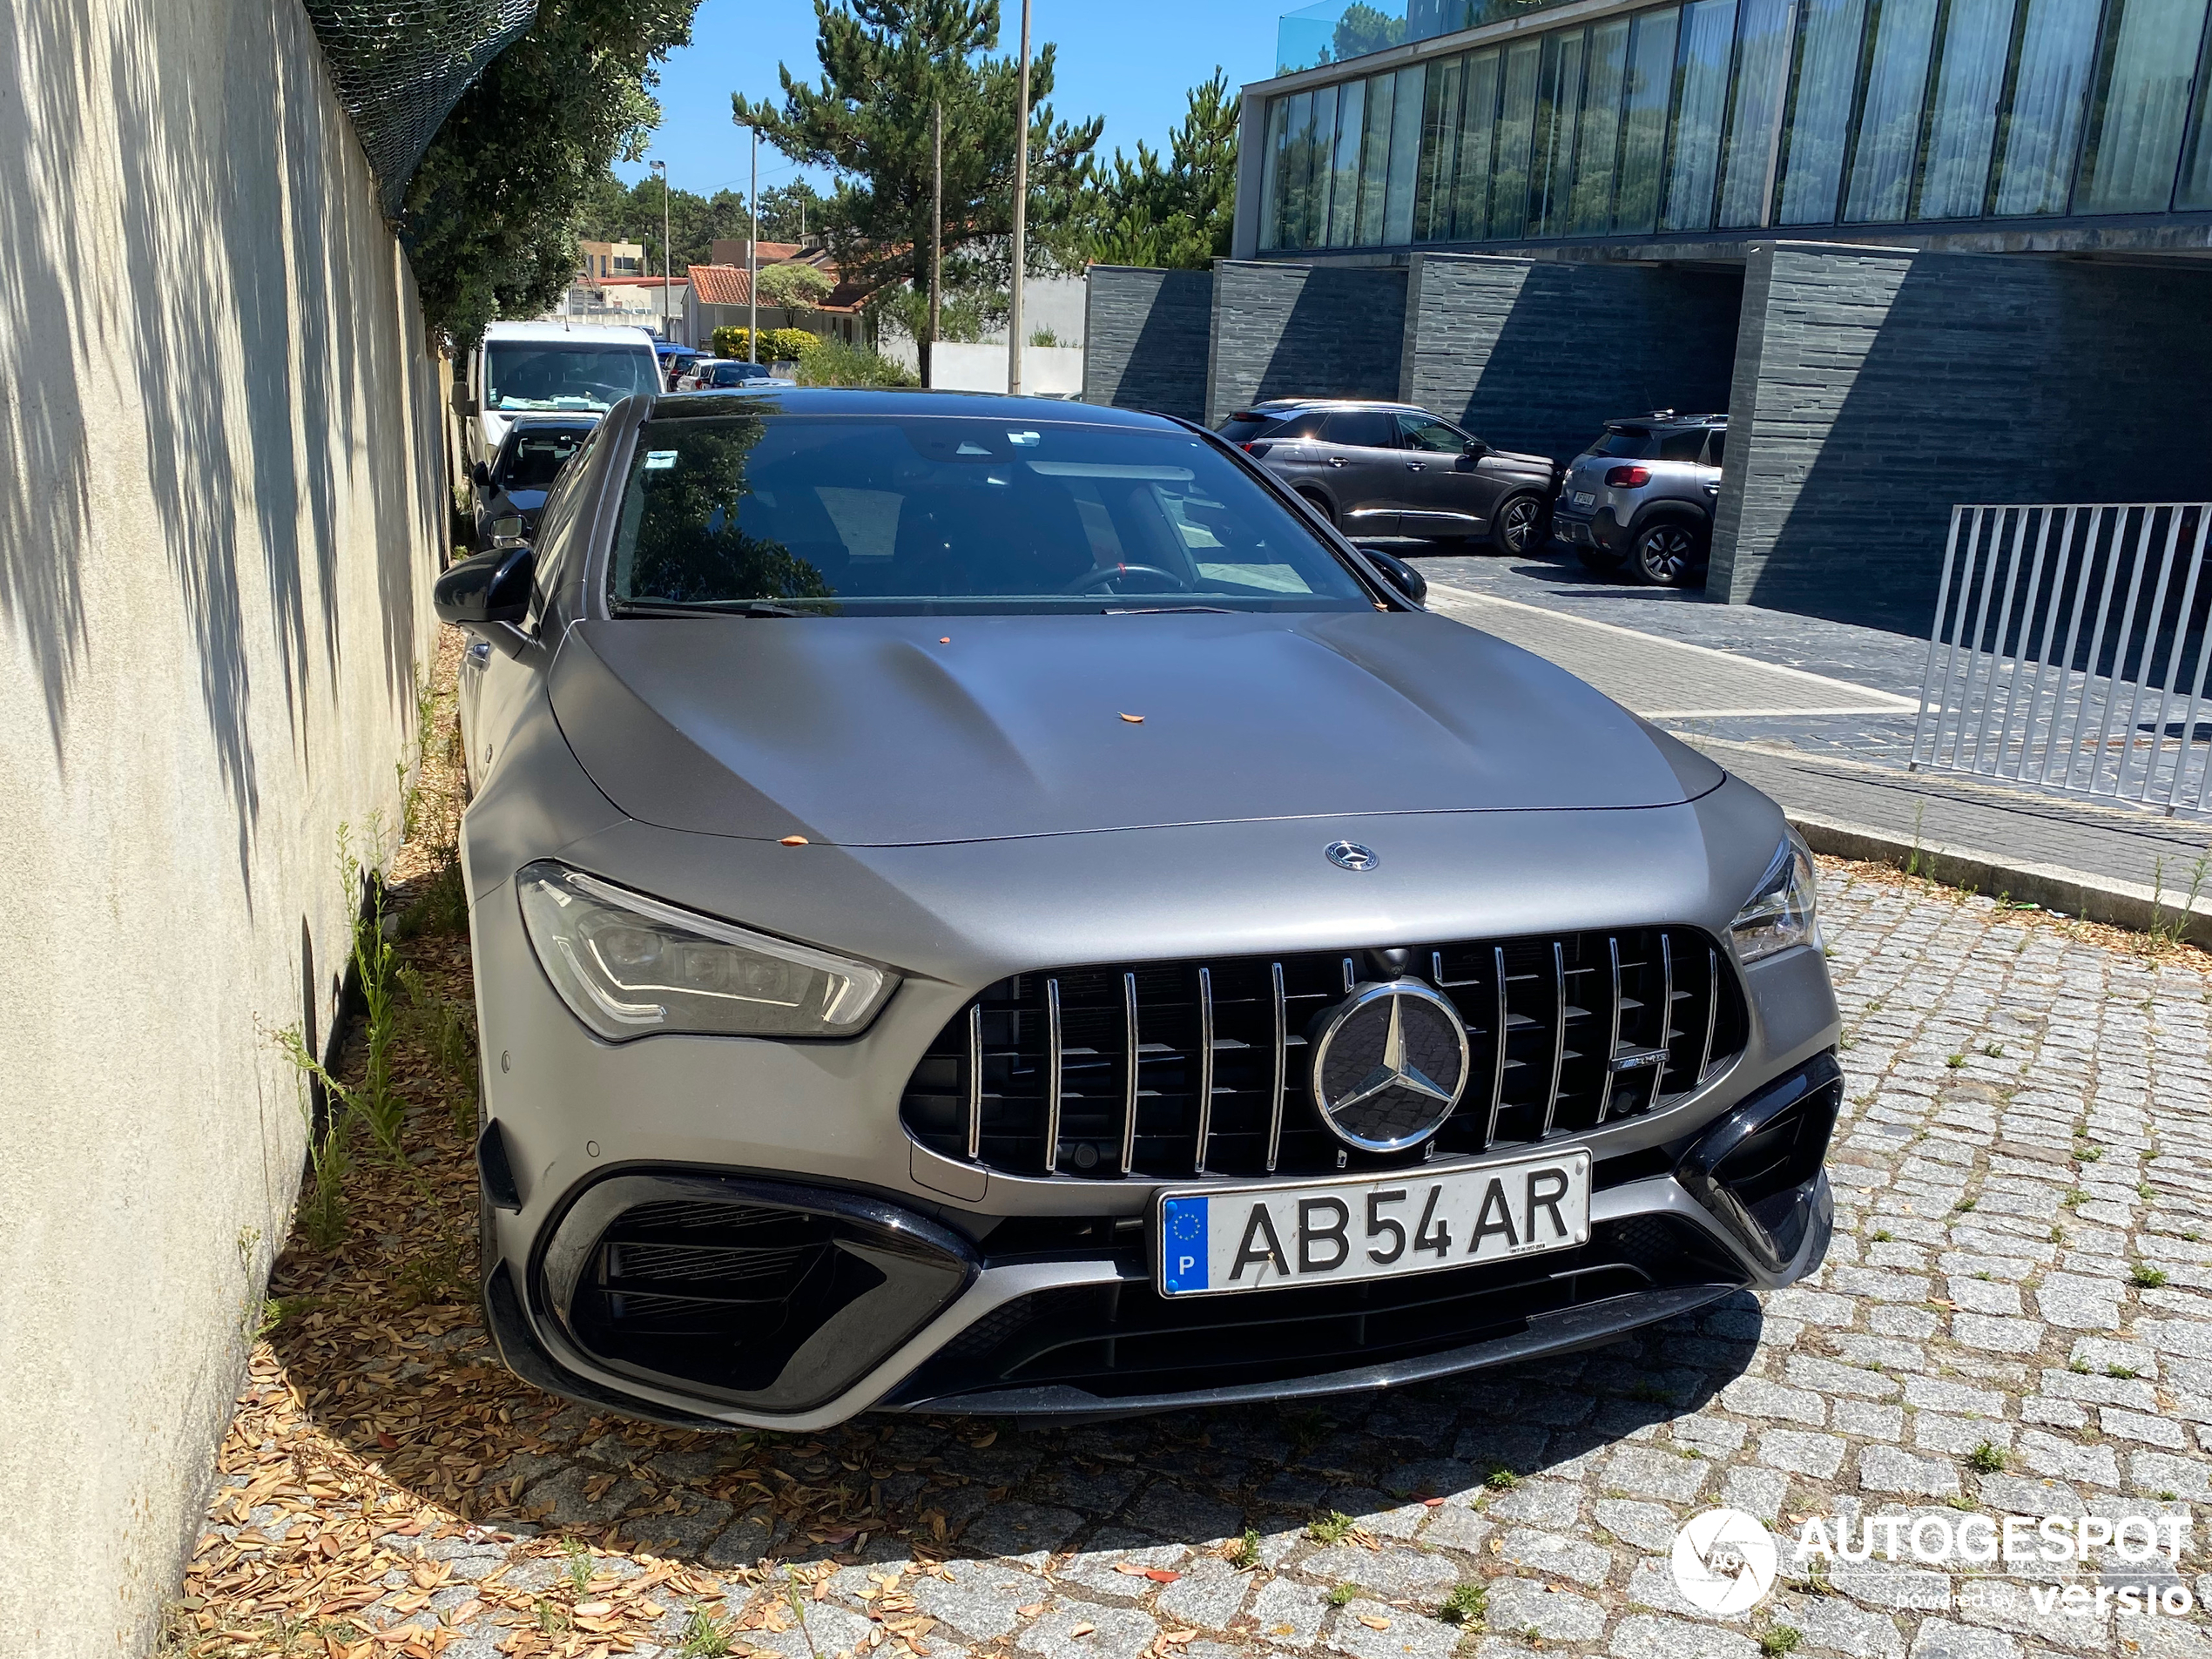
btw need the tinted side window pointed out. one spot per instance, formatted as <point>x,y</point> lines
<point>1683,446</point>
<point>1719,442</point>
<point>1299,426</point>
<point>559,535</point>
<point>1427,432</point>
<point>1367,429</point>
<point>1624,443</point>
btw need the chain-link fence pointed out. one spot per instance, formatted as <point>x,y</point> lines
<point>401,66</point>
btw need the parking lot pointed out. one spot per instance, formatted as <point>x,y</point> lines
<point>2013,1317</point>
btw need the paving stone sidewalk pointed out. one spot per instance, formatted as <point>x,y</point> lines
<point>2016,1315</point>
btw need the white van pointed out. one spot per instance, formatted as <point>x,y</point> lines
<point>538,367</point>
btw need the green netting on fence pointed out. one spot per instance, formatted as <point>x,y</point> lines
<point>401,66</point>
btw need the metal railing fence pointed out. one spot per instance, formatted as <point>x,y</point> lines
<point>2069,651</point>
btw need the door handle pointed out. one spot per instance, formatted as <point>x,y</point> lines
<point>1417,466</point>
<point>1337,460</point>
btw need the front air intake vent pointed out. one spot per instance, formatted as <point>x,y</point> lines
<point>1167,1069</point>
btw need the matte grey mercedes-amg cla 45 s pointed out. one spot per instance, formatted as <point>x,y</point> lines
<point>982,904</point>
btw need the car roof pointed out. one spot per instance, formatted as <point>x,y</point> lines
<point>1668,417</point>
<point>588,333</point>
<point>849,400</point>
<point>1290,405</point>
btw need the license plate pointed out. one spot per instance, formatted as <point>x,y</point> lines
<point>1585,497</point>
<point>1256,1239</point>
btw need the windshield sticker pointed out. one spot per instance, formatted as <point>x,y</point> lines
<point>659,460</point>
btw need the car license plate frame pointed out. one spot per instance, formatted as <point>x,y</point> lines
<point>1207,1241</point>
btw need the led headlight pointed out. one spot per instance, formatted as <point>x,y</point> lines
<point>632,966</point>
<point>1780,912</point>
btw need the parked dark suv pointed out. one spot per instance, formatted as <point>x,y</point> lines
<point>1642,497</point>
<point>1394,469</point>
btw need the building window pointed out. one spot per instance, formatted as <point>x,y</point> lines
<point>1735,114</point>
<point>2142,102</point>
<point>1889,122</point>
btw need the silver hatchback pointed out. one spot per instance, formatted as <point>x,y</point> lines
<point>1641,497</point>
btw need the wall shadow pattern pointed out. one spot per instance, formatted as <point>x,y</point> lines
<point>1303,331</point>
<point>1877,390</point>
<point>1144,339</point>
<point>1537,354</point>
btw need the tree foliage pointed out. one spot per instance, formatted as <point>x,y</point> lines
<point>1175,214</point>
<point>614,212</point>
<point>885,63</point>
<point>794,286</point>
<point>491,217</point>
<point>790,212</point>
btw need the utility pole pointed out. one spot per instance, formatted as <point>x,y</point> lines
<point>667,253</point>
<point>1020,218</point>
<point>936,229</point>
<point>752,259</point>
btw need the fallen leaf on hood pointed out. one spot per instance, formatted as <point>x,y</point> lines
<point>1134,719</point>
<point>1083,1631</point>
<point>1372,1622</point>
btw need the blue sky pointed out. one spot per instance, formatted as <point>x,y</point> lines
<point>1131,61</point>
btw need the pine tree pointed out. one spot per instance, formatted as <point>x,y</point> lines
<point>1176,215</point>
<point>885,63</point>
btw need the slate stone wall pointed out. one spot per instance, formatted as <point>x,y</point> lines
<point>1537,354</point>
<point>1303,331</point>
<point>1144,339</point>
<point>1876,389</point>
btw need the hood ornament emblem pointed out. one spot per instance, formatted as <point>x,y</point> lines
<point>1350,855</point>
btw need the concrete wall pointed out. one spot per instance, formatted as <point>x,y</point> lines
<point>1537,354</point>
<point>1047,371</point>
<point>1303,331</point>
<point>1144,339</point>
<point>1876,389</point>
<point>219,507</point>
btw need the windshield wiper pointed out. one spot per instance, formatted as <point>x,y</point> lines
<point>708,608</point>
<point>1163,610</point>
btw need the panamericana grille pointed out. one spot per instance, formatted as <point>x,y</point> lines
<point>1200,1068</point>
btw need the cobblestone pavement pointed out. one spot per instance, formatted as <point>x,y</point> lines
<point>2016,1315</point>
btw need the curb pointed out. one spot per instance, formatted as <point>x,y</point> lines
<point>2050,887</point>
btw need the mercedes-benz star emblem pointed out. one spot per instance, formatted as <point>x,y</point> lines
<point>1389,1063</point>
<point>1350,855</point>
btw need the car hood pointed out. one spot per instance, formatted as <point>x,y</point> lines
<point>912,731</point>
<point>1515,458</point>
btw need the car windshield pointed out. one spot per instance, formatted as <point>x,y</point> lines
<point>879,515</point>
<point>535,458</point>
<point>555,375</point>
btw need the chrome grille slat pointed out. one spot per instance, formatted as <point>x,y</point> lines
<point>1168,1070</point>
<point>1613,1039</point>
<point>1055,1063</point>
<point>1559,1032</point>
<point>1282,1064</point>
<point>975,1082</point>
<point>1204,1090</point>
<point>1133,1046</point>
<point>1712,1012</point>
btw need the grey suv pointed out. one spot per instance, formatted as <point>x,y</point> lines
<point>1394,469</point>
<point>1642,497</point>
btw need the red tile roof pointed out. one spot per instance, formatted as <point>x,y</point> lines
<point>720,284</point>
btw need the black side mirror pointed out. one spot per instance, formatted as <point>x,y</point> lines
<point>491,590</point>
<point>1475,448</point>
<point>481,473</point>
<point>1410,582</point>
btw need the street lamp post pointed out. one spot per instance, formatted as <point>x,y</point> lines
<point>667,253</point>
<point>1020,218</point>
<point>752,259</point>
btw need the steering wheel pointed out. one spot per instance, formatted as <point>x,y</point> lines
<point>1106,573</point>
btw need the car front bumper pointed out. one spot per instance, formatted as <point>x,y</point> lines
<point>1014,1292</point>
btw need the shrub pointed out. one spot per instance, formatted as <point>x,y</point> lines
<point>792,345</point>
<point>835,363</point>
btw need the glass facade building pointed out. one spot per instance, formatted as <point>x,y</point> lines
<point>1733,115</point>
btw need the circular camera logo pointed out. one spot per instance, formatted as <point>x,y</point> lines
<point>1724,1560</point>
